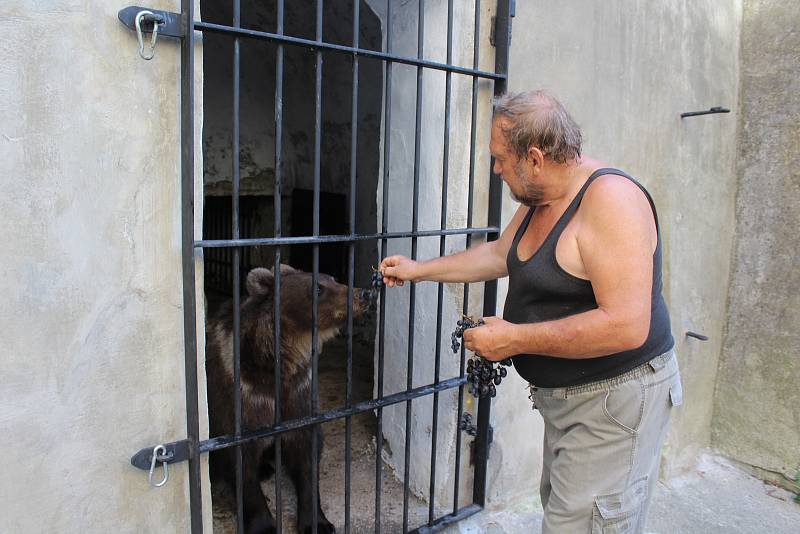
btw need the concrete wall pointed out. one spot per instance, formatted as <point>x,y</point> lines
<point>92,365</point>
<point>626,70</point>
<point>757,401</point>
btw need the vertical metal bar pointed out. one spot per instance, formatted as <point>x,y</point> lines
<point>350,265</point>
<point>187,267</point>
<point>412,289</point>
<point>277,200</point>
<point>384,246</point>
<point>315,274</point>
<point>502,43</point>
<point>470,204</point>
<point>235,271</point>
<point>440,294</point>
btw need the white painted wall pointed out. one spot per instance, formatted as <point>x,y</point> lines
<point>92,366</point>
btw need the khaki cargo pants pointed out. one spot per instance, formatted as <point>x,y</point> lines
<point>602,445</point>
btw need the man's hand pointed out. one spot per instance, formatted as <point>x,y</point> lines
<point>495,340</point>
<point>397,269</point>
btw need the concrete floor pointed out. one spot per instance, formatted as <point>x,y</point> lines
<point>717,498</point>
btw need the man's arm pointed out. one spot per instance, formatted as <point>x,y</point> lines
<point>616,239</point>
<point>486,261</point>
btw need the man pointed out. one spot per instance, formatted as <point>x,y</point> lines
<point>584,320</point>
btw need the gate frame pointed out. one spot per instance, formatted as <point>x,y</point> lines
<point>183,26</point>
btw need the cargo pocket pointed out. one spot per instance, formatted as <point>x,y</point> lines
<point>676,391</point>
<point>620,513</point>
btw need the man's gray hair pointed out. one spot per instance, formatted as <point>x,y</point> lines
<point>536,118</point>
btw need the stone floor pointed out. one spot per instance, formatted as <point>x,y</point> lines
<point>716,498</point>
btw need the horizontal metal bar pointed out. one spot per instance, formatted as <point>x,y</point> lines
<point>222,442</point>
<point>319,45</point>
<point>448,520</point>
<point>178,451</point>
<point>707,112</point>
<point>306,240</point>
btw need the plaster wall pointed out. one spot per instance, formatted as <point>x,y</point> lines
<point>626,70</point>
<point>92,366</point>
<point>757,401</point>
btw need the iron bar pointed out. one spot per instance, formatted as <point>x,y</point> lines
<point>315,275</point>
<point>482,440</point>
<point>236,270</point>
<point>351,266</point>
<point>188,271</point>
<point>470,204</point>
<point>319,45</point>
<point>387,142</point>
<point>221,442</point>
<point>448,520</point>
<point>277,202</point>
<point>413,288</point>
<point>442,239</point>
<point>307,240</point>
<point>182,452</point>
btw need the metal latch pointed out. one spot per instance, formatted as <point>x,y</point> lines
<point>153,21</point>
<point>150,458</point>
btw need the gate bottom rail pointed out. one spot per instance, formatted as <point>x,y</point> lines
<point>179,451</point>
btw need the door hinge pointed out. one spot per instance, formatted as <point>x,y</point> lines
<point>466,425</point>
<point>177,451</point>
<point>169,24</point>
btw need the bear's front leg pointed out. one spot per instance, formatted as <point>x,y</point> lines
<point>298,456</point>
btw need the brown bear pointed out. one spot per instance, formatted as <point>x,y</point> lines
<point>258,385</point>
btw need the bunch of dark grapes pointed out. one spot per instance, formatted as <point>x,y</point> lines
<point>483,377</point>
<point>375,285</point>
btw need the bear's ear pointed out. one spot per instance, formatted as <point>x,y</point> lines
<point>260,282</point>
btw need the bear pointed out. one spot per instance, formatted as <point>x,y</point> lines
<point>258,385</point>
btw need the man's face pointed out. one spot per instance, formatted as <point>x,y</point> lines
<point>514,171</point>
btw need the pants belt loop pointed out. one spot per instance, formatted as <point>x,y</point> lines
<point>659,362</point>
<point>560,393</point>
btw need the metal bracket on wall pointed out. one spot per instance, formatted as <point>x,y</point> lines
<point>177,451</point>
<point>465,424</point>
<point>511,13</point>
<point>695,335</point>
<point>169,24</point>
<point>716,109</point>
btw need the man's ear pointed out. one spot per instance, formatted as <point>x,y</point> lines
<point>535,159</point>
<point>260,282</point>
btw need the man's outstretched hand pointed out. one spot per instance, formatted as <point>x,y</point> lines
<point>397,269</point>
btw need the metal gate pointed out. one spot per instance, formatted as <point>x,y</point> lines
<point>182,26</point>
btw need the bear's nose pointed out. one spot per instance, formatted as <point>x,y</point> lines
<point>366,298</point>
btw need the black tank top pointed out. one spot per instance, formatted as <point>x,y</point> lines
<point>540,290</point>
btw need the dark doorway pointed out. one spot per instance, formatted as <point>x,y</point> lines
<point>332,221</point>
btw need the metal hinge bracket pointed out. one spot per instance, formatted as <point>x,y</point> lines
<point>169,24</point>
<point>177,451</point>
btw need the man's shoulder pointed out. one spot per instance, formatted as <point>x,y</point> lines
<point>614,191</point>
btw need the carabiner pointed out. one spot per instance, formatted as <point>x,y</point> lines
<point>159,455</point>
<point>138,23</point>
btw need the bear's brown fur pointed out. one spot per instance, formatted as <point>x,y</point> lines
<point>258,385</point>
